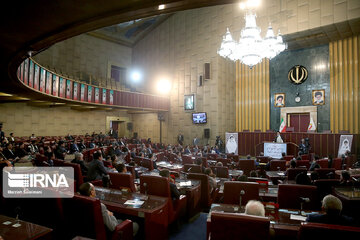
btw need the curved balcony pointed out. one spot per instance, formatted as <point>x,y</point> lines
<point>49,83</point>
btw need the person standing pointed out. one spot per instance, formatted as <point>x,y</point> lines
<point>278,138</point>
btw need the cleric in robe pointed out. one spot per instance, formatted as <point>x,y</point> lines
<point>231,145</point>
<point>344,147</point>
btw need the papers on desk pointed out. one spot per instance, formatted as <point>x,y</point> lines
<point>297,217</point>
<point>185,184</point>
<point>134,202</point>
<point>281,174</point>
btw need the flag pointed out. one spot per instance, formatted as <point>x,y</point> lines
<point>312,125</point>
<point>282,126</point>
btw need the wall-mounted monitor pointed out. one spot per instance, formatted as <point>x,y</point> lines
<point>199,118</point>
<point>189,103</point>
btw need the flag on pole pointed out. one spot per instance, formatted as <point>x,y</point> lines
<point>282,126</point>
<point>312,125</point>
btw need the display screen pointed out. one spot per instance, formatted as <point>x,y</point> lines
<point>199,118</point>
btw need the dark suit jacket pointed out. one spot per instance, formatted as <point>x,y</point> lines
<point>81,147</point>
<point>96,170</point>
<point>175,194</point>
<point>9,154</point>
<point>84,169</point>
<point>330,219</point>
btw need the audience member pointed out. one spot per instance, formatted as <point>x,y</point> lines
<point>255,208</point>
<point>242,178</point>
<point>96,169</point>
<point>303,179</point>
<point>332,207</point>
<point>79,159</point>
<point>212,178</point>
<point>60,151</point>
<point>175,194</point>
<point>121,168</point>
<point>253,173</point>
<point>110,221</point>
<point>314,164</point>
<point>345,179</point>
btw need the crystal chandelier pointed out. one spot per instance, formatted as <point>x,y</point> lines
<point>251,48</point>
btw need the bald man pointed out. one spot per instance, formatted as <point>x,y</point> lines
<point>255,208</point>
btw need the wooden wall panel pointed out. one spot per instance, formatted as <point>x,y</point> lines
<point>344,85</point>
<point>252,97</point>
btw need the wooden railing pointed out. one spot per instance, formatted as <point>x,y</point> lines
<point>45,81</point>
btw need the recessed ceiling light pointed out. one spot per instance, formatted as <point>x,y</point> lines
<point>161,7</point>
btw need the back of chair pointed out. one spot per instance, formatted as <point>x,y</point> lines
<point>303,163</point>
<point>192,168</point>
<point>147,163</point>
<point>316,231</point>
<point>122,180</point>
<point>325,173</point>
<point>187,159</point>
<point>232,191</point>
<point>325,186</point>
<point>77,173</point>
<point>225,161</point>
<point>263,159</point>
<point>239,227</point>
<point>289,196</point>
<point>337,163</point>
<point>83,217</point>
<point>288,157</point>
<point>155,185</point>
<point>323,163</point>
<point>205,188</point>
<point>305,157</point>
<point>293,172</point>
<point>275,164</point>
<point>221,172</point>
<point>247,165</point>
<point>234,158</point>
<point>211,156</point>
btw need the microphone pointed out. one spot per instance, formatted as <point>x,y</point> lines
<point>355,179</point>
<point>302,201</point>
<point>242,192</point>
<point>145,186</point>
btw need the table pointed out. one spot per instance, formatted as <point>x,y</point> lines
<point>193,195</point>
<point>170,166</point>
<point>154,209</point>
<point>235,173</point>
<point>280,220</point>
<point>269,194</point>
<point>350,198</point>
<point>275,176</point>
<point>26,230</point>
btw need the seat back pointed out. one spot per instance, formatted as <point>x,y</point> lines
<point>316,231</point>
<point>263,159</point>
<point>324,173</point>
<point>77,173</point>
<point>305,157</point>
<point>288,157</point>
<point>122,180</point>
<point>225,161</point>
<point>303,163</point>
<point>192,168</point>
<point>289,196</point>
<point>232,191</point>
<point>187,159</point>
<point>83,217</point>
<point>239,226</point>
<point>234,158</point>
<point>205,200</point>
<point>211,156</point>
<point>247,165</point>
<point>221,172</point>
<point>275,164</point>
<point>147,163</point>
<point>337,163</point>
<point>323,163</point>
<point>292,172</point>
<point>325,186</point>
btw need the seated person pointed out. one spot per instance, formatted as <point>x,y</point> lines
<point>110,221</point>
<point>60,151</point>
<point>79,159</point>
<point>254,173</point>
<point>219,164</point>
<point>121,168</point>
<point>255,208</point>
<point>212,178</point>
<point>96,169</point>
<point>292,165</point>
<point>303,179</point>
<point>345,179</point>
<point>175,194</point>
<point>198,161</point>
<point>314,164</point>
<point>332,206</point>
<point>314,176</point>
<point>242,178</point>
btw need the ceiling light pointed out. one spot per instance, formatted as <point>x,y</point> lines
<point>161,7</point>
<point>164,86</point>
<point>136,76</point>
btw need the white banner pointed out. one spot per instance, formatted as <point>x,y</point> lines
<point>231,140</point>
<point>345,144</point>
<point>274,150</point>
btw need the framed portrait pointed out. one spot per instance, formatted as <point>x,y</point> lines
<point>97,95</point>
<point>55,82</point>
<point>189,103</point>
<point>103,96</point>
<point>76,91</point>
<point>279,100</point>
<point>111,97</point>
<point>31,74</point>
<point>318,97</point>
<point>26,73</point>
<point>82,92</point>
<point>42,79</point>
<point>36,76</point>
<point>89,96</point>
<point>61,87</point>
<point>48,82</point>
<point>68,89</point>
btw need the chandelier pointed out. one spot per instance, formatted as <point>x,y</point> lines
<point>251,48</point>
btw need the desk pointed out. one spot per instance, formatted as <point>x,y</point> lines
<point>27,230</point>
<point>154,209</point>
<point>350,198</point>
<point>279,219</point>
<point>193,195</point>
<point>274,176</point>
<point>170,166</point>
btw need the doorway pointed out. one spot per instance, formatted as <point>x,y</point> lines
<point>119,127</point>
<point>299,121</point>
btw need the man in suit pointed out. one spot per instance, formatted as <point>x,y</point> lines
<point>332,206</point>
<point>2,134</point>
<point>180,139</point>
<point>96,168</point>
<point>196,141</point>
<point>79,159</point>
<point>9,152</point>
<point>110,221</point>
<point>175,194</point>
<point>60,151</point>
<point>81,146</point>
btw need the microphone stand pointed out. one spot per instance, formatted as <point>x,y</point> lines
<point>242,192</point>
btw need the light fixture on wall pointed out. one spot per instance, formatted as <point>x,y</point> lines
<point>251,48</point>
